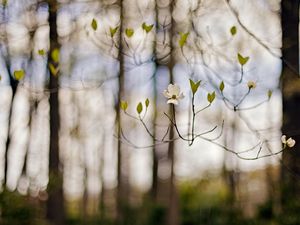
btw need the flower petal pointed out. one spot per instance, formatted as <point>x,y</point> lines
<point>167,94</point>
<point>172,101</point>
<point>174,89</point>
<point>283,139</point>
<point>290,142</point>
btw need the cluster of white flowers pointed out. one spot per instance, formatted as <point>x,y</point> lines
<point>288,142</point>
<point>173,94</point>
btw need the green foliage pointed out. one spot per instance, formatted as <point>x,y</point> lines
<point>211,97</point>
<point>55,55</point>
<point>222,86</point>
<point>129,32</point>
<point>41,52</point>
<point>53,69</point>
<point>19,74</point>
<point>194,86</point>
<point>113,31</point>
<point>0,77</point>
<point>94,24</point>
<point>124,105</point>
<point>147,102</point>
<point>242,60</point>
<point>139,108</point>
<point>147,28</point>
<point>16,209</point>
<point>270,93</point>
<point>233,30</point>
<point>183,38</point>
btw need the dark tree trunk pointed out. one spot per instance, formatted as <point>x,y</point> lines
<point>122,179</point>
<point>173,208</point>
<point>55,203</point>
<point>291,100</point>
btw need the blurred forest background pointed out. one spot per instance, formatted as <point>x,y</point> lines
<point>70,154</point>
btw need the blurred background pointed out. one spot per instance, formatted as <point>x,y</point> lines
<point>69,154</point>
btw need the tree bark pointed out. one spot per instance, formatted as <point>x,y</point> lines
<point>121,189</point>
<point>290,100</point>
<point>55,203</point>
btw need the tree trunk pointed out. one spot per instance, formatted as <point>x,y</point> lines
<point>55,203</point>
<point>290,100</point>
<point>121,189</point>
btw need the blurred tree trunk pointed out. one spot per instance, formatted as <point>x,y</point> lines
<point>122,180</point>
<point>173,209</point>
<point>167,60</point>
<point>103,191</point>
<point>154,187</point>
<point>231,174</point>
<point>55,203</point>
<point>290,100</point>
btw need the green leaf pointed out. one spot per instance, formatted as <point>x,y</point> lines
<point>233,30</point>
<point>41,52</point>
<point>270,93</point>
<point>4,2</point>
<point>242,60</point>
<point>147,102</point>
<point>194,86</point>
<point>211,97</point>
<point>0,77</point>
<point>113,31</point>
<point>55,55</point>
<point>129,32</point>
<point>222,86</point>
<point>124,105</point>
<point>139,108</point>
<point>19,74</point>
<point>94,24</point>
<point>53,69</point>
<point>183,38</point>
<point>147,28</point>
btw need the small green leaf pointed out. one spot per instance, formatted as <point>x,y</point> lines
<point>53,69</point>
<point>139,108</point>
<point>124,105</point>
<point>41,52</point>
<point>113,31</point>
<point>194,86</point>
<point>147,102</point>
<point>55,55</point>
<point>129,32</point>
<point>183,38</point>
<point>4,2</point>
<point>211,97</point>
<point>233,30</point>
<point>222,86</point>
<point>0,77</point>
<point>242,60</point>
<point>270,93</point>
<point>94,24</point>
<point>147,28</point>
<point>19,74</point>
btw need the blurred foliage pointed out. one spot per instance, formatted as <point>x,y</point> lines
<point>207,201</point>
<point>16,209</point>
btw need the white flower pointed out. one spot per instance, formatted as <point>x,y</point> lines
<point>289,142</point>
<point>251,84</point>
<point>173,94</point>
<point>283,139</point>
